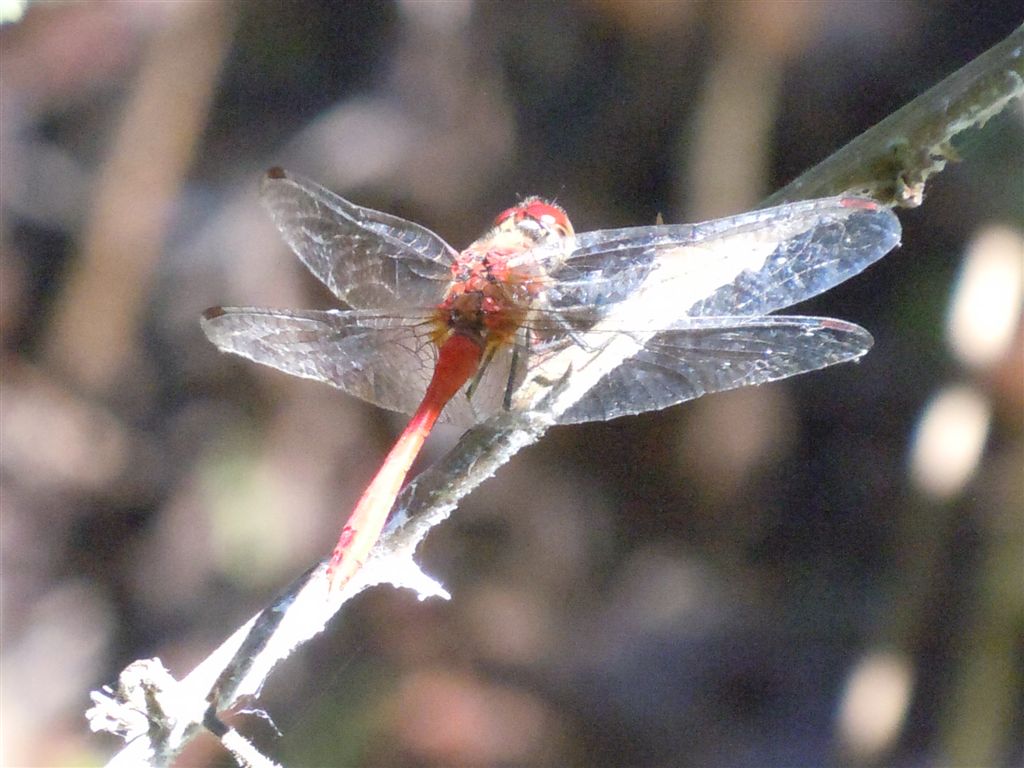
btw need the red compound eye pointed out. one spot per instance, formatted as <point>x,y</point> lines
<point>507,214</point>
<point>548,215</point>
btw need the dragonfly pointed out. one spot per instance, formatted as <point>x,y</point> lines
<point>458,336</point>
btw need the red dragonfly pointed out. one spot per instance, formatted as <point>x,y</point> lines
<point>457,336</point>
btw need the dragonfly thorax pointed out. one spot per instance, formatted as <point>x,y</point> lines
<point>487,299</point>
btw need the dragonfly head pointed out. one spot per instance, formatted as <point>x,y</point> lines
<point>537,219</point>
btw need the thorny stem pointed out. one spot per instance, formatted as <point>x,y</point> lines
<point>891,161</point>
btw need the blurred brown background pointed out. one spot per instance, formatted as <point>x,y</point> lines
<point>829,570</point>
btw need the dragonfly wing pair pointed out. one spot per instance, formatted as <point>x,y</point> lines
<point>697,297</point>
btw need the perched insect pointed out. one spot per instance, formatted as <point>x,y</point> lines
<point>452,335</point>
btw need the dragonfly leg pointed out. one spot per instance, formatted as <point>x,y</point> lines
<point>480,372</point>
<point>510,385</point>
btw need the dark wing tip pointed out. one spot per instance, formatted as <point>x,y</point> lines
<point>277,173</point>
<point>213,313</point>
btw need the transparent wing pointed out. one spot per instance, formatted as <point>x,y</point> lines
<point>386,361</point>
<point>368,259</point>
<point>750,264</point>
<point>381,360</point>
<point>710,354</point>
<point>389,362</point>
